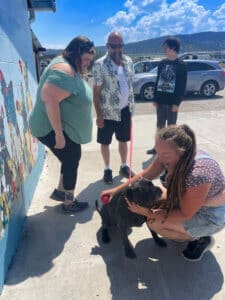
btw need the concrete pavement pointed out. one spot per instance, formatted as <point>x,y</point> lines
<point>61,256</point>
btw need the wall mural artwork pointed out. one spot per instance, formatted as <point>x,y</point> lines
<point>18,149</point>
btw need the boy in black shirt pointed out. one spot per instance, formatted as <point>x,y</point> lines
<point>170,85</point>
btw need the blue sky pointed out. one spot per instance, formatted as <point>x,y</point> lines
<point>135,19</point>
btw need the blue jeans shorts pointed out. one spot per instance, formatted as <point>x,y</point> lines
<point>207,221</point>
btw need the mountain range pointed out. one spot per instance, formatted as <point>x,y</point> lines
<point>202,41</point>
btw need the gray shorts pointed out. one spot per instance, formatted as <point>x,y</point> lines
<point>207,221</point>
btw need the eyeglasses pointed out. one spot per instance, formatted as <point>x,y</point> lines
<point>114,46</point>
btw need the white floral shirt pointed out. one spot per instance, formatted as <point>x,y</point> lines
<point>104,75</point>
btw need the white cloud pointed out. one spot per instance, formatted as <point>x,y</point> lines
<point>124,18</point>
<point>121,18</point>
<point>146,2</point>
<point>153,18</point>
<point>220,13</point>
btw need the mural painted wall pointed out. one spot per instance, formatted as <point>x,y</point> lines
<point>21,156</point>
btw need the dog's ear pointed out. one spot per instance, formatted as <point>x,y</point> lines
<point>150,183</point>
<point>145,182</point>
<point>129,193</point>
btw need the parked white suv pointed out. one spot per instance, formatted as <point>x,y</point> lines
<point>205,77</point>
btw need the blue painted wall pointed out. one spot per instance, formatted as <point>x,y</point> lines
<point>21,156</point>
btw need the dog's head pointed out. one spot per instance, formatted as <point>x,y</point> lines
<point>143,192</point>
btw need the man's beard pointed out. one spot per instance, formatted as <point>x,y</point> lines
<point>117,57</point>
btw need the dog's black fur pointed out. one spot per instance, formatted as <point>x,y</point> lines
<point>116,212</point>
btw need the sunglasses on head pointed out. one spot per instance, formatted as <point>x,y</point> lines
<point>87,46</point>
<point>114,46</point>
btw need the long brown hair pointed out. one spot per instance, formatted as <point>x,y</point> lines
<point>75,49</point>
<point>183,139</point>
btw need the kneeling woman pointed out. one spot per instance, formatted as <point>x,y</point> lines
<point>194,192</point>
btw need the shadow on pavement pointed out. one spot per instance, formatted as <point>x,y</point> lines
<point>93,190</point>
<point>45,234</point>
<point>43,239</point>
<point>158,273</point>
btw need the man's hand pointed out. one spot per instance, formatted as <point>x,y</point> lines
<point>175,108</point>
<point>59,141</point>
<point>100,122</point>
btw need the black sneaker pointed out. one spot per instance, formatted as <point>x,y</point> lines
<point>75,206</point>
<point>108,176</point>
<point>151,151</point>
<point>60,195</point>
<point>196,249</point>
<point>125,172</point>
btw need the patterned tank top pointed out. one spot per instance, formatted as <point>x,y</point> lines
<point>204,170</point>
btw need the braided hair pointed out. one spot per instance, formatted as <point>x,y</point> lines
<point>183,139</point>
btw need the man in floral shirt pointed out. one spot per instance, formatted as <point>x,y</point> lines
<point>113,100</point>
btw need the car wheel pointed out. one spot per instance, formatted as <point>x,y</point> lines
<point>208,89</point>
<point>147,91</point>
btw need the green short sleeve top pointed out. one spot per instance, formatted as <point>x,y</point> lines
<point>75,110</point>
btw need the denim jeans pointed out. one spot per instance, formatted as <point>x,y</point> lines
<point>207,221</point>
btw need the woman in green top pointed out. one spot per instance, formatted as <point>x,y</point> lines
<point>62,118</point>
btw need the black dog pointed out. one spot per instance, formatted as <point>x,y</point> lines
<point>116,212</point>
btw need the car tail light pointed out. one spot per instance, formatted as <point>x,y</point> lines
<point>223,72</point>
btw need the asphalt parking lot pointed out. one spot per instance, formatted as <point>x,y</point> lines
<point>190,103</point>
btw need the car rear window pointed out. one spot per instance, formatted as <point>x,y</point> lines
<point>139,67</point>
<point>155,64</point>
<point>145,66</point>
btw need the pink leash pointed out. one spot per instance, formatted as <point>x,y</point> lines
<point>131,149</point>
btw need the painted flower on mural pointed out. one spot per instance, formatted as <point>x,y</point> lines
<point>18,148</point>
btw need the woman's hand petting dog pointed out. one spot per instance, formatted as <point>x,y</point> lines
<point>137,209</point>
<point>152,215</point>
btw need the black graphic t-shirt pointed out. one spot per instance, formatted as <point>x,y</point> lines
<point>167,79</point>
<point>171,82</point>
